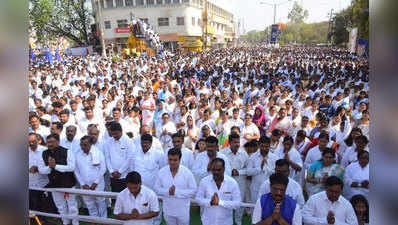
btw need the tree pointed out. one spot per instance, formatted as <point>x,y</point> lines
<point>360,17</point>
<point>297,14</point>
<point>56,18</point>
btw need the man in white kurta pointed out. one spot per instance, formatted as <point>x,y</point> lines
<point>238,159</point>
<point>260,166</point>
<point>176,184</point>
<point>356,177</point>
<point>89,171</point>
<point>293,188</point>
<point>136,204</point>
<point>219,195</point>
<point>119,153</point>
<point>187,158</point>
<point>329,207</point>
<point>288,152</point>
<point>201,166</point>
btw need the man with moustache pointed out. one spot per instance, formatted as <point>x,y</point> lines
<point>276,208</point>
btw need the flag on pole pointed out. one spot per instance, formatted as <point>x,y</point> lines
<point>57,55</point>
<point>32,54</point>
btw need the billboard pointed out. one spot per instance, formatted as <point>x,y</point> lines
<point>274,33</point>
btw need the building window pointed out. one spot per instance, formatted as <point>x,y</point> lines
<point>201,2</point>
<point>122,23</point>
<point>176,1</point>
<point>186,1</point>
<point>150,2</point>
<point>167,1</point>
<point>163,22</point>
<point>107,24</point>
<point>109,3</point>
<point>159,2</point>
<point>102,4</point>
<point>193,21</point>
<point>119,3</point>
<point>139,2</point>
<point>199,22</point>
<point>129,3</point>
<point>180,21</point>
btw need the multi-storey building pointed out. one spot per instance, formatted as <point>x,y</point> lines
<point>180,23</point>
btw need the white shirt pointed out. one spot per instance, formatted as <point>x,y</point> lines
<point>355,173</point>
<point>84,122</point>
<point>314,154</point>
<point>73,145</point>
<point>118,155</point>
<point>295,157</point>
<point>69,167</point>
<point>297,218</point>
<point>199,168</point>
<point>42,130</point>
<point>251,130</point>
<point>350,156</point>
<point>156,145</point>
<point>147,165</point>
<point>293,190</point>
<point>187,158</point>
<point>90,168</point>
<point>185,188</point>
<point>145,202</point>
<point>35,157</point>
<point>229,195</point>
<point>316,209</point>
<point>238,161</point>
<point>254,167</point>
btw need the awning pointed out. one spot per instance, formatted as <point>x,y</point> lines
<point>168,37</point>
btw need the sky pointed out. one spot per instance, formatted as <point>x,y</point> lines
<point>257,16</point>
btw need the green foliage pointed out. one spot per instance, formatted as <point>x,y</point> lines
<point>356,15</point>
<point>55,18</point>
<point>297,14</point>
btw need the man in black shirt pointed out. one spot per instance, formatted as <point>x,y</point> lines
<point>59,163</point>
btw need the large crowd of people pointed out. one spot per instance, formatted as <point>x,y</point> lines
<point>285,129</point>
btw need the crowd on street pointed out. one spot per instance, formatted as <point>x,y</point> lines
<point>285,129</point>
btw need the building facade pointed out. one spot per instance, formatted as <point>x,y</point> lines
<point>179,22</point>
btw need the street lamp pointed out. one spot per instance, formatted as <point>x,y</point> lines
<point>100,26</point>
<point>275,5</point>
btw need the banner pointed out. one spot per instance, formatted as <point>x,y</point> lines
<point>274,33</point>
<point>363,47</point>
<point>353,39</point>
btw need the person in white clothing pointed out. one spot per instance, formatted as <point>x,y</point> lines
<point>156,144</point>
<point>202,165</point>
<point>165,131</point>
<point>71,141</point>
<point>35,178</point>
<point>89,171</point>
<point>117,117</point>
<point>315,153</point>
<point>136,204</point>
<point>261,165</point>
<point>250,130</point>
<point>219,195</point>
<point>288,152</point>
<point>36,127</point>
<point>293,188</point>
<point>119,153</point>
<point>329,207</point>
<point>90,118</point>
<point>356,177</point>
<point>351,154</point>
<point>276,207</point>
<point>147,161</point>
<point>238,159</point>
<point>187,158</point>
<point>176,184</point>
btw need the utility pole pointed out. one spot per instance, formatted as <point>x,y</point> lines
<point>330,26</point>
<point>101,29</point>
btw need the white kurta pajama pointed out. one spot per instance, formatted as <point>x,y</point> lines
<point>239,162</point>
<point>230,199</point>
<point>90,168</point>
<point>176,207</point>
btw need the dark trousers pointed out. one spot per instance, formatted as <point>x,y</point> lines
<point>117,185</point>
<point>36,199</point>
